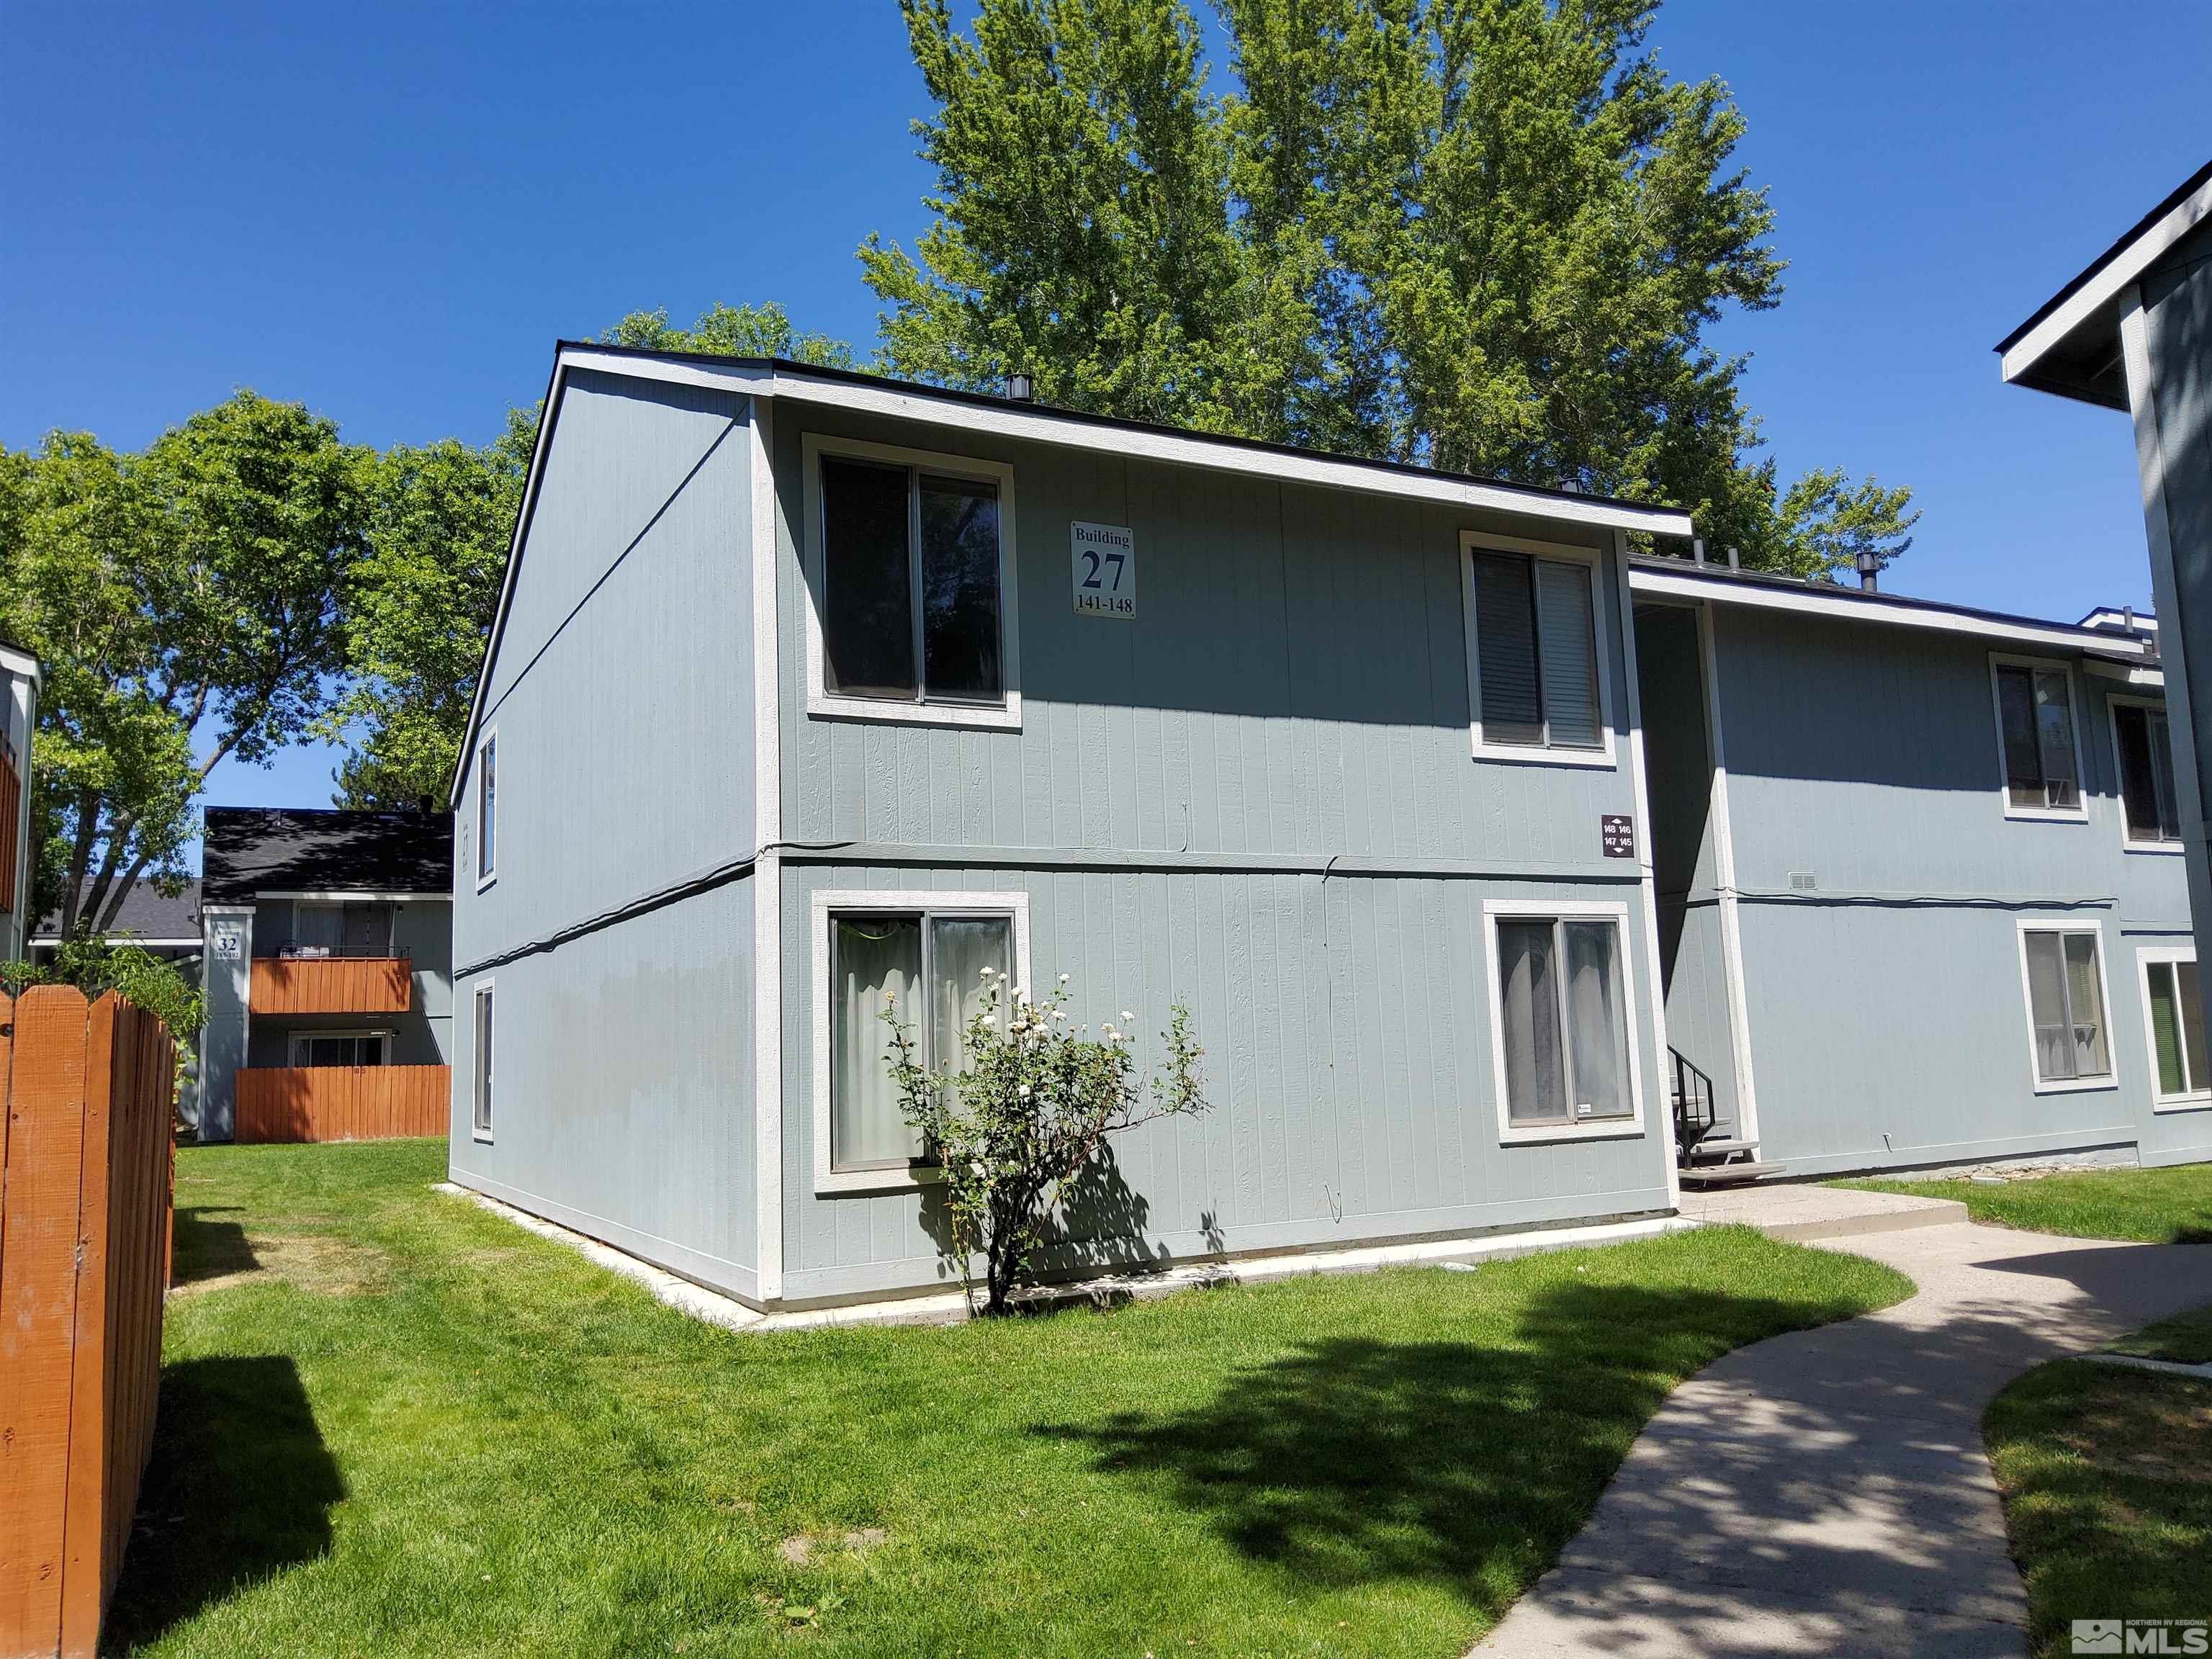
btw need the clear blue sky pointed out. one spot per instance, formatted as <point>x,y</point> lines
<point>391,211</point>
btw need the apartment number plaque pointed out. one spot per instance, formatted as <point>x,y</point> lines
<point>1104,560</point>
<point>1616,834</point>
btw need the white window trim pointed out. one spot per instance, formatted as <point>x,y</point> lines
<point>2196,1100</point>
<point>1603,1128</point>
<point>295,1038</point>
<point>2113,701</point>
<point>479,990</point>
<point>824,704</point>
<point>1529,754</point>
<point>486,877</point>
<point>942,902</point>
<point>2067,1086</point>
<point>2077,813</point>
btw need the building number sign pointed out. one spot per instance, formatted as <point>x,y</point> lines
<point>1103,559</point>
<point>1616,835</point>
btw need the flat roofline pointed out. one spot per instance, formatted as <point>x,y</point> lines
<point>787,376</point>
<point>1682,578</point>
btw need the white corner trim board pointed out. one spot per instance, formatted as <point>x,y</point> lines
<point>768,868</point>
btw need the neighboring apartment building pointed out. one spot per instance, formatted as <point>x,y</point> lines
<point>164,925</point>
<point>327,944</point>
<point>1920,896</point>
<point>890,684</point>
<point>19,719</point>
<point>2133,333</point>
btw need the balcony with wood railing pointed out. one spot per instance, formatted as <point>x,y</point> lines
<point>332,985</point>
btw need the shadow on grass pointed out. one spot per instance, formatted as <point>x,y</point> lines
<point>240,1486</point>
<point>1356,1459</point>
<point>207,1248</point>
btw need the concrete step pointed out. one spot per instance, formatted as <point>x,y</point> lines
<point>1727,1174</point>
<point>1801,1211</point>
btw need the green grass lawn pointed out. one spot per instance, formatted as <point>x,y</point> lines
<point>394,1423</point>
<point>2107,1481</point>
<point>2157,1207</point>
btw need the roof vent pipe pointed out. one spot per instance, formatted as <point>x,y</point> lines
<point>1697,548</point>
<point>1735,563</point>
<point>1020,389</point>
<point>1869,563</point>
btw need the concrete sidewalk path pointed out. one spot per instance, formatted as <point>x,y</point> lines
<point>1827,1492</point>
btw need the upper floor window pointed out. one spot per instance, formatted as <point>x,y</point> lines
<point>339,928</point>
<point>2146,767</point>
<point>1535,642</point>
<point>911,567</point>
<point>2036,739</point>
<point>487,808</point>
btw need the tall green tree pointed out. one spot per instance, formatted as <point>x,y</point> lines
<point>1484,235</point>
<point>420,603</point>
<point>190,588</point>
<point>763,330</point>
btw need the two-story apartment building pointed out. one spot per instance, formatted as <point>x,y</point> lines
<point>806,687</point>
<point>326,953</point>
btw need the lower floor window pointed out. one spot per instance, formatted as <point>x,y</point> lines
<point>2176,1015</point>
<point>341,1047</point>
<point>480,1116</point>
<point>1561,1023</point>
<point>2066,1005</point>
<point>932,964</point>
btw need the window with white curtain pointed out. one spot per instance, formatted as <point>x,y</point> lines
<point>1533,636</point>
<point>2066,1007</point>
<point>2036,737</point>
<point>2173,1018</point>
<point>929,965</point>
<point>1561,1020</point>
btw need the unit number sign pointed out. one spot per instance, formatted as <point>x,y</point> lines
<point>1103,558</point>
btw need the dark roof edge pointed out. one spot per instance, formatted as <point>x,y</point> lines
<point>1877,600</point>
<point>2195,182</point>
<point>1111,423</point>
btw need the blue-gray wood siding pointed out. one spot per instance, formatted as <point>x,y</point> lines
<point>1888,1023</point>
<point>1257,796</point>
<point>624,1053</point>
<point>1348,1064</point>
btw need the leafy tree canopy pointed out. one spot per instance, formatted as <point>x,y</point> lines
<point>420,605</point>
<point>195,581</point>
<point>1484,235</point>
<point>732,332</point>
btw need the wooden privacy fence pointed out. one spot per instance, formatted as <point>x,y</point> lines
<point>85,1185</point>
<point>342,1102</point>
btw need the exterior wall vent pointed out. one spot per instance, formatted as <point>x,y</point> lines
<point>1804,881</point>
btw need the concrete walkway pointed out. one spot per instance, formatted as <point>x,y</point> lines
<point>1827,1492</point>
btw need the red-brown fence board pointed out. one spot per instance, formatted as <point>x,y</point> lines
<point>342,1102</point>
<point>331,985</point>
<point>84,1228</point>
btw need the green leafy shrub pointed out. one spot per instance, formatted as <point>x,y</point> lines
<point>1029,1113</point>
<point>95,965</point>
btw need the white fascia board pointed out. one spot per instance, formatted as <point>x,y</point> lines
<point>20,662</point>
<point>2107,285</point>
<point>1037,425</point>
<point>2055,635</point>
